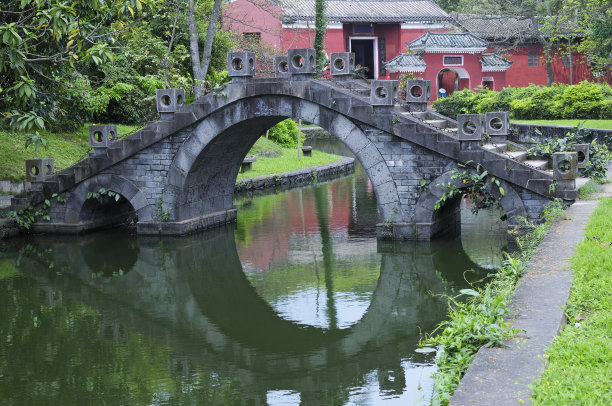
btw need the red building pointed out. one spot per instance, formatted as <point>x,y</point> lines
<point>376,31</point>
<point>452,62</point>
<point>379,32</point>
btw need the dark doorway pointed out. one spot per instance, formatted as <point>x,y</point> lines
<point>364,55</point>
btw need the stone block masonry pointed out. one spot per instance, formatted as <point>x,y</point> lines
<point>189,162</point>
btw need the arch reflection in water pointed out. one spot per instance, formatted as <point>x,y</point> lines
<point>211,317</point>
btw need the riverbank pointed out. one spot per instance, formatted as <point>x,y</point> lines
<point>345,166</point>
<point>537,315</point>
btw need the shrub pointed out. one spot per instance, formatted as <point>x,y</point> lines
<point>460,102</point>
<point>285,133</point>
<point>584,100</point>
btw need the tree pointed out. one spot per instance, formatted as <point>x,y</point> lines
<point>591,22</point>
<point>320,30</point>
<point>200,64</point>
<point>540,17</point>
<point>44,46</point>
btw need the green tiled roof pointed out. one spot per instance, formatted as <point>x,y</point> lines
<point>366,11</point>
<point>494,63</point>
<point>435,42</point>
<point>406,63</point>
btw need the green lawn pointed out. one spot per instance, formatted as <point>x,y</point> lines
<point>65,148</point>
<point>580,358</point>
<point>69,148</point>
<point>288,161</point>
<point>605,124</point>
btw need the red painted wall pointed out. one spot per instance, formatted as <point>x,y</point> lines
<point>520,74</point>
<point>471,64</point>
<point>260,16</point>
<point>242,16</point>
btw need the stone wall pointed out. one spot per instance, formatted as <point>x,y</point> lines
<point>524,133</point>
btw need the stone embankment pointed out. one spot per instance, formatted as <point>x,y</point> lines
<point>299,177</point>
<point>346,166</point>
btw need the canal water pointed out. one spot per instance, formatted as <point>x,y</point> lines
<point>295,304</point>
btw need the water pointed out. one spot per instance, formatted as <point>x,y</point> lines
<point>296,304</point>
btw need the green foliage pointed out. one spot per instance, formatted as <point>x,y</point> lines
<point>579,359</point>
<point>584,100</point>
<point>44,47</point>
<point>162,215</point>
<point>285,133</point>
<point>66,148</point>
<point>599,156</point>
<point>479,321</point>
<point>286,162</point>
<point>474,185</point>
<point>320,31</point>
<point>26,217</point>
<point>403,79</point>
<point>104,196</point>
<point>36,140</point>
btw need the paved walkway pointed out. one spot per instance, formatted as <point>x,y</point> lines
<point>500,376</point>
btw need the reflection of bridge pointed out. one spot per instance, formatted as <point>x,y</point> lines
<point>189,160</point>
<point>192,295</point>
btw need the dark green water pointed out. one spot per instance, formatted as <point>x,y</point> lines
<point>296,304</point>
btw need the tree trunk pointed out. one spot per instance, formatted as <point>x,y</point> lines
<point>549,71</point>
<point>200,65</point>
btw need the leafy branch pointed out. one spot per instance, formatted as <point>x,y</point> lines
<point>473,185</point>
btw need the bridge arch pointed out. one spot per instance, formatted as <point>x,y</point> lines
<point>115,183</point>
<point>511,202</point>
<point>203,173</point>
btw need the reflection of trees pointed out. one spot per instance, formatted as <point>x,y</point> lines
<point>322,209</point>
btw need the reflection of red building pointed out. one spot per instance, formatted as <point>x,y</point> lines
<point>379,31</point>
<point>297,215</point>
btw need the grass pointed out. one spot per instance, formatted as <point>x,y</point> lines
<point>66,148</point>
<point>479,321</point>
<point>603,124</point>
<point>287,161</point>
<point>591,187</point>
<point>265,147</point>
<point>69,148</point>
<point>579,371</point>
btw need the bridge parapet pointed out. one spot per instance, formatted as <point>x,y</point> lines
<point>400,144</point>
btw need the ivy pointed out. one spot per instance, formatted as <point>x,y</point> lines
<point>599,155</point>
<point>26,217</point>
<point>103,195</point>
<point>320,30</point>
<point>473,185</point>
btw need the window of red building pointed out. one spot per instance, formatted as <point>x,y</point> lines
<point>453,60</point>
<point>532,58</point>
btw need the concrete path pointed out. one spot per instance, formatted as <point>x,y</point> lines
<point>500,376</point>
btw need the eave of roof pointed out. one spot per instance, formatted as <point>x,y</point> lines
<point>376,11</point>
<point>494,63</point>
<point>448,42</point>
<point>406,63</point>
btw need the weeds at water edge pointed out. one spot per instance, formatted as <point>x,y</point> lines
<point>479,320</point>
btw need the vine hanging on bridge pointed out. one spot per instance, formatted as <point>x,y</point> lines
<point>473,185</point>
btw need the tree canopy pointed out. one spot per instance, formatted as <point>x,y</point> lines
<point>65,62</point>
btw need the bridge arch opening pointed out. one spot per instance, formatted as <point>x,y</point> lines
<point>204,171</point>
<point>107,209</point>
<point>447,218</point>
<point>106,201</point>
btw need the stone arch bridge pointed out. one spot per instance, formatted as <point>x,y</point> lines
<point>185,165</point>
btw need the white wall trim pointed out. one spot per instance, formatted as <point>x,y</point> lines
<point>304,24</point>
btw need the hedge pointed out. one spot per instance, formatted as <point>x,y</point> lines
<point>585,100</point>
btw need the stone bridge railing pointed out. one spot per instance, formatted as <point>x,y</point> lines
<point>397,133</point>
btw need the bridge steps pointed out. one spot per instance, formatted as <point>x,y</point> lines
<point>512,166</point>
